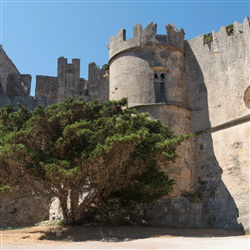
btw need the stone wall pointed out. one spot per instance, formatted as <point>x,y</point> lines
<point>68,83</point>
<point>176,212</point>
<point>20,208</point>
<point>14,87</point>
<point>68,79</point>
<point>217,76</point>
<point>6,68</point>
<point>217,79</point>
<point>26,82</point>
<point>98,85</point>
<point>132,77</point>
<point>177,119</point>
<point>231,149</point>
<point>46,90</point>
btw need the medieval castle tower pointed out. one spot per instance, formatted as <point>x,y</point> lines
<point>200,86</point>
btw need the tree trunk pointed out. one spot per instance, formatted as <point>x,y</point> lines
<point>63,198</point>
<point>74,199</point>
<point>92,195</point>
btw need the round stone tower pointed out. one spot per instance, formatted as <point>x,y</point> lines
<point>149,69</point>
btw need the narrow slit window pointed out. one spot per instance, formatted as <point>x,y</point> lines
<point>160,92</point>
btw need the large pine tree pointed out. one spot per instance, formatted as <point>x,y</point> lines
<point>106,153</point>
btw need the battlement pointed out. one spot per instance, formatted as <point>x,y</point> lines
<point>68,68</point>
<point>146,37</point>
<point>227,35</point>
<point>236,30</point>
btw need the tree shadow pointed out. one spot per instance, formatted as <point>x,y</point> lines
<point>126,233</point>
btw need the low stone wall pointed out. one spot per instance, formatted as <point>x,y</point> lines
<point>176,212</point>
<point>21,208</point>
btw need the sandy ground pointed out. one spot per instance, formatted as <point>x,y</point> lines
<point>127,237</point>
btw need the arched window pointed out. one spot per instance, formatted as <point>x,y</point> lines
<point>162,76</point>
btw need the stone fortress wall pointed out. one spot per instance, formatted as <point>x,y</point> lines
<point>218,76</point>
<point>15,87</point>
<point>199,86</point>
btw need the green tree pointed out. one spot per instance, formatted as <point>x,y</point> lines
<point>106,153</point>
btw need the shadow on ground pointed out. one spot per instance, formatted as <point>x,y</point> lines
<point>126,233</point>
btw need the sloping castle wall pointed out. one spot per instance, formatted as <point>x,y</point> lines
<point>218,78</point>
<point>14,87</point>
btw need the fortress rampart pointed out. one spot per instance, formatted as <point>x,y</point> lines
<point>218,76</point>
<point>204,88</point>
<point>199,85</point>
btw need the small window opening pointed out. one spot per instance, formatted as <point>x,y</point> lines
<point>162,76</point>
<point>156,76</point>
<point>160,92</point>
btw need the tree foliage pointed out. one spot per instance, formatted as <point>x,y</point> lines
<point>88,154</point>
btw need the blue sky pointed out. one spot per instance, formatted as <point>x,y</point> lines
<point>35,33</point>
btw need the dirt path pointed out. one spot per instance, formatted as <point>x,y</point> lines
<point>44,237</point>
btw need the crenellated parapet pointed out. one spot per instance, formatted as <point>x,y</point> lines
<point>233,34</point>
<point>65,68</point>
<point>68,83</point>
<point>173,39</point>
<point>235,29</point>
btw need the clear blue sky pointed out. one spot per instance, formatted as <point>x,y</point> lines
<point>35,33</point>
